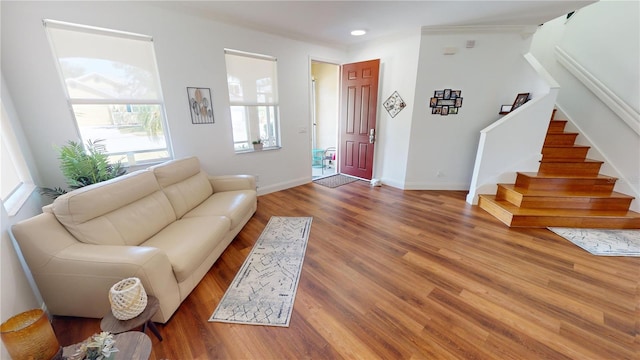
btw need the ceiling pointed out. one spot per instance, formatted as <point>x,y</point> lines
<point>330,22</point>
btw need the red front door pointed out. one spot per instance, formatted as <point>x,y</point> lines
<point>358,117</point>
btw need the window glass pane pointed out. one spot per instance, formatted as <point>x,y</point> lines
<point>240,128</point>
<point>125,128</point>
<point>266,119</point>
<point>10,177</point>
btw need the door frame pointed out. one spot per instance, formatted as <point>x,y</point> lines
<point>315,59</point>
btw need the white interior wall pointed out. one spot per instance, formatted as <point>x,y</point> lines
<point>190,52</point>
<point>611,55</point>
<point>443,148</point>
<point>16,295</point>
<point>398,66</point>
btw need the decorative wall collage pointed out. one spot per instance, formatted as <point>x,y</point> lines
<point>446,102</point>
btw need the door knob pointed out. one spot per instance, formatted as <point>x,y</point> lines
<point>372,136</point>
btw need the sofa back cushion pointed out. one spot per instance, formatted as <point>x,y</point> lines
<point>126,210</point>
<point>184,183</point>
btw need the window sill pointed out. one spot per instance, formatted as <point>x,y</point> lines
<point>250,151</point>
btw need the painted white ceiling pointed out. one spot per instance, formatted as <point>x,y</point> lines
<point>330,22</point>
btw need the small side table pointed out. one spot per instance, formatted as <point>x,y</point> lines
<point>111,324</point>
<point>131,345</point>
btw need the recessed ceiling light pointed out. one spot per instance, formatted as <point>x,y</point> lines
<point>358,32</point>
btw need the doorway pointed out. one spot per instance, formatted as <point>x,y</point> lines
<point>325,101</point>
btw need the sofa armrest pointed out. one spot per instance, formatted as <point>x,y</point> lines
<point>74,278</point>
<point>76,281</point>
<point>232,182</point>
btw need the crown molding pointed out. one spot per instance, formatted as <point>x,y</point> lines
<point>523,30</point>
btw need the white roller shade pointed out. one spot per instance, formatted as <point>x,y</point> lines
<point>103,64</point>
<point>252,78</point>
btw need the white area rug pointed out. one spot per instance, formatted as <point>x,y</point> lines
<point>263,291</point>
<point>603,242</point>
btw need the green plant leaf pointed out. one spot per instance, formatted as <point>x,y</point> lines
<point>82,167</point>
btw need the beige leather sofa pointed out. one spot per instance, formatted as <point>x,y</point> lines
<point>166,225</point>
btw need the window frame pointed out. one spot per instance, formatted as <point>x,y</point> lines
<point>272,107</point>
<point>14,201</point>
<point>129,156</point>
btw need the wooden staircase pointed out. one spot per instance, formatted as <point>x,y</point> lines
<point>567,190</point>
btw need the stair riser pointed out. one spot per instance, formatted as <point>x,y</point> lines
<point>556,126</point>
<point>495,210</point>
<point>559,202</point>
<point>577,153</point>
<point>579,168</point>
<point>568,184</point>
<point>580,203</point>
<point>509,195</point>
<point>560,139</point>
<point>575,222</point>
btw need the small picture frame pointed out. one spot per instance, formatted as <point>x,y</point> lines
<point>445,111</point>
<point>505,109</point>
<point>433,102</point>
<point>458,102</point>
<point>436,110</point>
<point>438,94</point>
<point>447,94</point>
<point>520,100</point>
<point>453,110</point>
<point>200,105</point>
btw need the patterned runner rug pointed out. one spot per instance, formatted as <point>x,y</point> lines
<point>263,291</point>
<point>603,242</point>
<point>336,180</point>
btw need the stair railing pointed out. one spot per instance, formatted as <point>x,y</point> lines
<point>514,142</point>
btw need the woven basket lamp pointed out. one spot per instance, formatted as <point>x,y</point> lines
<point>29,335</point>
<point>128,298</point>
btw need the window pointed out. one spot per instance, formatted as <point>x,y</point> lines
<point>16,184</point>
<point>253,97</point>
<point>112,83</point>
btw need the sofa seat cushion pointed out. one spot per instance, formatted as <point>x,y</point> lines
<point>188,242</point>
<point>233,204</point>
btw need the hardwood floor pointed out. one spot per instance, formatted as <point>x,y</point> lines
<point>413,275</point>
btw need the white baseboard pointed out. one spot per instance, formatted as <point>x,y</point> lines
<point>263,190</point>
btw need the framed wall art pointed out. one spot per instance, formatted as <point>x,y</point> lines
<point>200,105</point>
<point>394,104</point>
<point>520,100</point>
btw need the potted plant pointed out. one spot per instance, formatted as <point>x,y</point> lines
<point>257,144</point>
<point>83,167</point>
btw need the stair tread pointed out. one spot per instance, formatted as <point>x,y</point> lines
<point>517,211</point>
<point>564,146</point>
<point>565,193</point>
<point>553,176</point>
